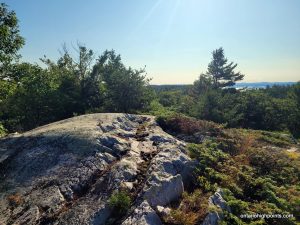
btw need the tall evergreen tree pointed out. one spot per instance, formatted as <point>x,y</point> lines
<point>221,72</point>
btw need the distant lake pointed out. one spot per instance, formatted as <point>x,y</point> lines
<point>262,84</point>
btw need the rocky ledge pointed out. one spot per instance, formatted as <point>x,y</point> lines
<point>66,172</point>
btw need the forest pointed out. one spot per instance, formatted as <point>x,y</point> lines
<point>32,95</point>
<point>239,120</point>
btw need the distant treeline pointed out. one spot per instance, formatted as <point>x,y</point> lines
<point>171,87</point>
<point>248,85</point>
<point>275,108</point>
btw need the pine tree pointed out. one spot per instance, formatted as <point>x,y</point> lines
<point>221,72</point>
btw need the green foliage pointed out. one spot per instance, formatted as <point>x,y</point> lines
<point>256,175</point>
<point>31,95</point>
<point>125,89</point>
<point>254,180</point>
<point>169,98</point>
<point>254,109</point>
<point>277,139</point>
<point>231,219</point>
<point>207,156</point>
<point>2,130</point>
<point>10,39</point>
<point>180,124</point>
<point>266,162</point>
<point>36,100</point>
<point>192,209</point>
<point>34,96</point>
<point>175,100</point>
<point>260,111</point>
<point>202,85</point>
<point>238,207</point>
<point>161,113</point>
<point>120,202</point>
<point>219,72</point>
<point>208,107</point>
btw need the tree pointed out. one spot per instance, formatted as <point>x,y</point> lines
<point>35,101</point>
<point>10,39</point>
<point>202,85</point>
<point>208,106</point>
<point>294,126</point>
<point>125,89</point>
<point>221,72</point>
<point>67,82</point>
<point>78,84</point>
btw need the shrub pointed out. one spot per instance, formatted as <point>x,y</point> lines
<point>120,202</point>
<point>253,165</point>
<point>277,139</point>
<point>205,184</point>
<point>180,124</point>
<point>156,109</point>
<point>192,209</point>
<point>2,130</point>
<point>15,200</point>
<point>238,207</point>
<point>183,218</point>
<point>230,219</point>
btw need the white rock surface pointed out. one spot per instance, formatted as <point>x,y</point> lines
<point>216,200</point>
<point>65,172</point>
<point>143,215</point>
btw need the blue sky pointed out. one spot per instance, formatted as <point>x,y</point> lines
<point>173,38</point>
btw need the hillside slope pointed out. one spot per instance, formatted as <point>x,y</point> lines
<point>90,170</point>
<point>258,173</point>
<point>125,169</point>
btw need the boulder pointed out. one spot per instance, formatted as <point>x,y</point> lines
<point>66,172</point>
<point>216,201</point>
<point>163,211</point>
<point>143,215</point>
<point>212,218</point>
<point>163,190</point>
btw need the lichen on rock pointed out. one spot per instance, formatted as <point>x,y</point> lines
<point>65,172</point>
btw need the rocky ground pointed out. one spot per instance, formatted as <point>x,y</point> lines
<point>65,172</point>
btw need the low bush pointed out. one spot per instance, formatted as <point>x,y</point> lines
<point>278,139</point>
<point>15,200</point>
<point>192,209</point>
<point>230,219</point>
<point>256,180</point>
<point>2,130</point>
<point>238,207</point>
<point>180,124</point>
<point>120,202</point>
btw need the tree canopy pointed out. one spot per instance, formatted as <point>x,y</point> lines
<point>10,39</point>
<point>81,82</point>
<point>72,85</point>
<point>221,73</point>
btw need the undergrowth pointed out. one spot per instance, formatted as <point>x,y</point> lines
<point>256,172</point>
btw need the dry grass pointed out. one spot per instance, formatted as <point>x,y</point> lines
<point>293,155</point>
<point>15,199</point>
<point>183,218</point>
<point>186,125</point>
<point>192,209</point>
